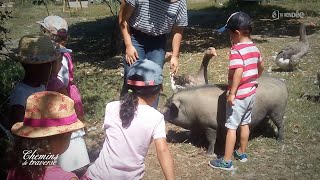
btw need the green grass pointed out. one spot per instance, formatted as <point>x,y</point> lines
<point>25,16</point>
<point>98,78</point>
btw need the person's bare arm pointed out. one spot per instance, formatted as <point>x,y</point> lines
<point>176,42</point>
<point>16,114</point>
<point>236,74</point>
<point>125,12</point>
<point>260,68</point>
<point>164,157</point>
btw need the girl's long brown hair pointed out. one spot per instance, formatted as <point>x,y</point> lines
<point>129,102</point>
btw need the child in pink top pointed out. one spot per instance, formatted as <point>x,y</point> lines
<point>42,136</point>
<point>131,125</point>
<point>76,157</point>
<point>56,28</point>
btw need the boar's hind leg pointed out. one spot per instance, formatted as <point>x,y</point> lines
<point>278,121</point>
<point>211,137</point>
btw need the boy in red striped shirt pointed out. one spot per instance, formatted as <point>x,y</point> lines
<point>245,66</point>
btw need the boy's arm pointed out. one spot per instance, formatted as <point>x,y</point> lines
<point>237,74</point>
<point>260,67</point>
<point>164,157</point>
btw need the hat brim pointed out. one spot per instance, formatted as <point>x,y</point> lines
<point>20,129</point>
<point>28,60</point>
<point>221,30</point>
<point>46,27</point>
<point>41,23</point>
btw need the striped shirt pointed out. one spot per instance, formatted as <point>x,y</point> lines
<point>246,56</point>
<point>157,17</point>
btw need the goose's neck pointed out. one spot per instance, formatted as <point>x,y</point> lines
<point>303,33</point>
<point>203,71</point>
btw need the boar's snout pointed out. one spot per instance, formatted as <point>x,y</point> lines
<point>170,112</point>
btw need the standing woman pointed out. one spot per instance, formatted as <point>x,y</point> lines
<point>144,25</point>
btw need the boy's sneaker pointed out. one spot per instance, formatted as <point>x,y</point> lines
<point>221,164</point>
<point>241,157</point>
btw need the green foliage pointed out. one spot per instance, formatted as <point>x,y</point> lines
<point>9,70</point>
<point>4,16</point>
<point>10,73</point>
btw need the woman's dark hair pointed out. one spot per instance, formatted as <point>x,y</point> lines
<point>15,155</point>
<point>129,102</point>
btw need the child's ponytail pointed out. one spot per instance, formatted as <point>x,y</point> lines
<point>129,104</point>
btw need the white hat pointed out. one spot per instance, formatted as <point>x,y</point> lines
<point>54,23</point>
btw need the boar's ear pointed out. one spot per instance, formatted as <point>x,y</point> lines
<point>176,103</point>
<point>174,109</point>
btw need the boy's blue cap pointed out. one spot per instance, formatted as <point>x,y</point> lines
<point>237,21</point>
<point>221,30</point>
<point>150,72</point>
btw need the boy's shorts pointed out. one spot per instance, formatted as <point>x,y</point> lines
<point>240,112</point>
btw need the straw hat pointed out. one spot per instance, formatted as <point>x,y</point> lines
<point>47,113</point>
<point>36,49</point>
<point>53,24</point>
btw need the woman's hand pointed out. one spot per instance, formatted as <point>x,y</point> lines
<point>174,64</point>
<point>230,99</point>
<point>131,54</point>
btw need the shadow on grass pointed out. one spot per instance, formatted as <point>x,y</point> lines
<point>201,32</point>
<point>264,129</point>
<point>199,140</point>
<point>91,41</point>
<point>186,136</point>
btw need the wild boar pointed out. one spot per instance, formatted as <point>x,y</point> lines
<point>202,109</point>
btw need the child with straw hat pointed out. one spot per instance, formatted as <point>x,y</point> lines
<point>43,135</point>
<point>38,56</point>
